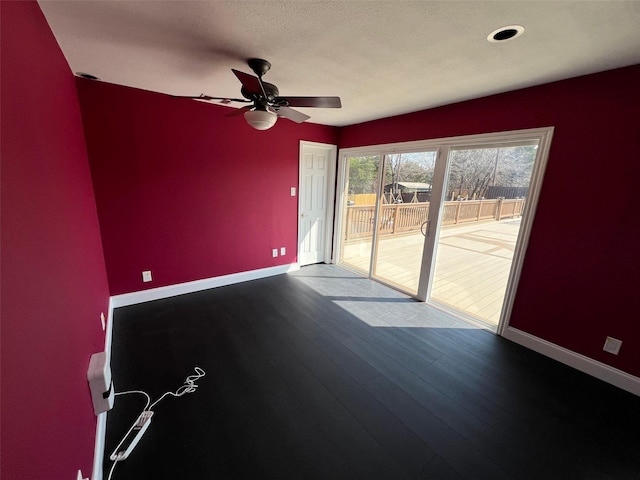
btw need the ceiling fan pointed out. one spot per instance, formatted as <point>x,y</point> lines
<point>266,104</point>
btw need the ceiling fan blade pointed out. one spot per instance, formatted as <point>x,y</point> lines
<point>319,102</point>
<point>202,96</point>
<point>252,85</point>
<point>224,99</point>
<point>291,114</point>
<point>239,111</point>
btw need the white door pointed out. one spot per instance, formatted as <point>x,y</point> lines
<point>315,204</point>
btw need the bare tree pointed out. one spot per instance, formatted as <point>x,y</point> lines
<point>472,171</point>
<point>415,172</point>
<point>394,164</point>
<point>515,166</point>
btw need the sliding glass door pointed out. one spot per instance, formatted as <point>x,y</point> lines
<point>403,210</point>
<point>485,191</point>
<point>445,221</point>
<point>385,209</point>
<point>361,192</point>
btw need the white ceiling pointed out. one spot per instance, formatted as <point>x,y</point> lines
<point>381,57</point>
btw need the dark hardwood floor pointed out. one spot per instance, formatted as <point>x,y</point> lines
<point>321,374</point>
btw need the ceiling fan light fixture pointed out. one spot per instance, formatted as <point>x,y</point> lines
<point>260,119</point>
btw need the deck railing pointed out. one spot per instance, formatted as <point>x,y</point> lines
<point>408,217</point>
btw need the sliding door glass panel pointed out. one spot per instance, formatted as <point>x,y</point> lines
<point>361,191</point>
<point>485,192</point>
<point>404,209</point>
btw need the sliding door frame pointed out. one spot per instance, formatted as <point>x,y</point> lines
<point>443,146</point>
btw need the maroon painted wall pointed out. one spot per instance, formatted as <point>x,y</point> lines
<point>186,192</point>
<point>54,282</point>
<point>579,280</point>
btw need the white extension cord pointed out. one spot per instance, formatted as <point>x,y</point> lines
<point>135,433</point>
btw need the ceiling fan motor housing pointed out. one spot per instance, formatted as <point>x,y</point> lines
<point>269,89</point>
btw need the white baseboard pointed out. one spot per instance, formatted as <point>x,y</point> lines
<point>98,453</point>
<point>587,365</point>
<point>198,285</point>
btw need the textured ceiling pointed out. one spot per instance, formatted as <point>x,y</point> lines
<point>382,58</point>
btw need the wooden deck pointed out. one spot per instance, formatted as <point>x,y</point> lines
<point>472,265</point>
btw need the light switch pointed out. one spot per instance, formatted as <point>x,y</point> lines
<point>293,191</point>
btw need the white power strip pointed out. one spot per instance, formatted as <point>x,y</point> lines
<point>132,438</point>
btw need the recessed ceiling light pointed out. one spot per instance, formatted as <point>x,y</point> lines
<point>503,34</point>
<point>87,76</point>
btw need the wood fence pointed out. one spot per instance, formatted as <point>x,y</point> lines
<point>408,217</point>
<point>362,199</point>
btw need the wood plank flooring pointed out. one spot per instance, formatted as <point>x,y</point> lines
<point>322,374</point>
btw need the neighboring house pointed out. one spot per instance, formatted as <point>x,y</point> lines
<point>409,187</point>
<point>407,192</point>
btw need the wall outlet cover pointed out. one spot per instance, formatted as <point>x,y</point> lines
<point>274,252</point>
<point>283,251</point>
<point>612,345</point>
<point>146,276</point>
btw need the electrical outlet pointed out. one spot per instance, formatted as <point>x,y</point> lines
<point>274,252</point>
<point>283,251</point>
<point>146,276</point>
<point>612,345</point>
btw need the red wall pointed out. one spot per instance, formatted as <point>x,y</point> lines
<point>186,192</point>
<point>54,283</point>
<point>579,280</point>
